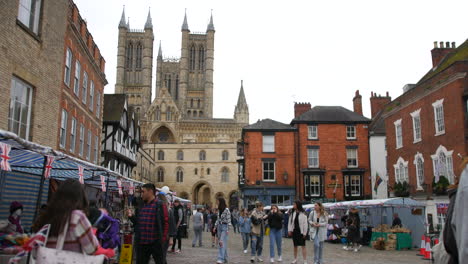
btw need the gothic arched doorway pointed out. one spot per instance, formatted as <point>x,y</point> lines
<point>202,193</point>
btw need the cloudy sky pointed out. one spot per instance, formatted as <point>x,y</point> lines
<point>293,51</point>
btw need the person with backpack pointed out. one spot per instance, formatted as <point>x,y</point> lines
<point>179,220</point>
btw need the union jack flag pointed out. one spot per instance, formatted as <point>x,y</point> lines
<point>119,186</point>
<point>80,173</point>
<point>4,163</point>
<point>131,189</point>
<point>48,167</point>
<point>103,183</point>
<point>38,240</point>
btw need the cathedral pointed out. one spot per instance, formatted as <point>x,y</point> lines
<point>194,153</point>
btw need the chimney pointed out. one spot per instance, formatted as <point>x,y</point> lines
<point>439,52</point>
<point>357,103</point>
<point>378,103</point>
<point>300,108</point>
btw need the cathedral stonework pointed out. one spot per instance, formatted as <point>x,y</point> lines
<point>195,154</point>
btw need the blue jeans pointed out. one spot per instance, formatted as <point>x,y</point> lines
<point>223,240</point>
<point>275,236</point>
<point>318,250</point>
<point>256,245</point>
<point>245,240</point>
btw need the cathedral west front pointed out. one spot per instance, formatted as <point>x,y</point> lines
<point>195,154</point>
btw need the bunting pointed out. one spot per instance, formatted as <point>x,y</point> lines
<point>103,183</point>
<point>81,173</point>
<point>48,167</point>
<point>4,163</point>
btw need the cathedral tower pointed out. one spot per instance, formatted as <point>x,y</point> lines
<point>135,63</point>
<point>241,112</point>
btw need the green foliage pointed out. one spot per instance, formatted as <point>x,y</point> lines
<point>401,189</point>
<point>440,188</point>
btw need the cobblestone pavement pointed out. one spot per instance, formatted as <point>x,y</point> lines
<point>333,253</point>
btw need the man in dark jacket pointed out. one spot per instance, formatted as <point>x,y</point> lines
<point>179,220</point>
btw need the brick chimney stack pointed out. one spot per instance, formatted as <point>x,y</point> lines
<point>357,103</point>
<point>439,51</point>
<point>300,108</point>
<point>378,103</point>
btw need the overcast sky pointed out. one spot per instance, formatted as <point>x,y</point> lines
<point>293,51</point>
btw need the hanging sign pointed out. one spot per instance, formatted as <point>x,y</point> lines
<point>48,167</point>
<point>4,163</point>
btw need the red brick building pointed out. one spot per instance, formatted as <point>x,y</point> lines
<point>83,84</point>
<point>268,170</point>
<point>426,126</point>
<point>332,152</point>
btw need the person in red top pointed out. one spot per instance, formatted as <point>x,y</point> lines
<point>153,227</point>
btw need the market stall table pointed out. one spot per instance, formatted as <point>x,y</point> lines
<point>404,240</point>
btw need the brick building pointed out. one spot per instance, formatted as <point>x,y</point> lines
<point>426,126</point>
<point>41,45</point>
<point>332,152</point>
<point>268,170</point>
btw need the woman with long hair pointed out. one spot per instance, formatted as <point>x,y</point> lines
<point>297,229</point>
<point>69,205</point>
<point>318,221</point>
<point>275,219</point>
<point>222,228</point>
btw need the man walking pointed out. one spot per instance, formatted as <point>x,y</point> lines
<point>179,219</point>
<point>197,228</point>
<point>257,218</point>
<point>153,227</point>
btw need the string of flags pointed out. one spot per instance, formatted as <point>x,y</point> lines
<point>4,163</point>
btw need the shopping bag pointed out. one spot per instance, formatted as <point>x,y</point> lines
<point>267,231</point>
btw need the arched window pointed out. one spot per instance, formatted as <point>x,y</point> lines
<point>194,113</point>
<point>168,114</point>
<point>180,155</point>
<point>202,155</point>
<point>160,155</point>
<point>189,113</point>
<point>401,171</point>
<point>192,58</point>
<point>177,87</point>
<point>208,171</point>
<point>225,175</point>
<point>168,82</point>
<point>180,175</point>
<point>200,114</point>
<point>160,175</point>
<point>196,171</point>
<point>201,58</point>
<point>139,51</point>
<point>191,102</point>
<point>443,164</point>
<point>419,164</point>
<point>129,55</point>
<point>158,114</point>
<point>198,103</point>
<point>225,155</point>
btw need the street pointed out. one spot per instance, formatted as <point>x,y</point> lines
<point>333,253</point>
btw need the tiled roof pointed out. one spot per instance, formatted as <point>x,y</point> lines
<point>377,126</point>
<point>268,124</point>
<point>330,114</point>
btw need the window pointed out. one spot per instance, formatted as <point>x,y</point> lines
<point>398,134</point>
<point>202,155</point>
<point>129,56</point>
<point>29,13</point>
<point>91,95</point>
<point>98,104</point>
<point>19,118</point>
<point>177,87</point>
<point>76,87</point>
<point>180,175</point>
<point>85,87</point>
<point>160,175</point>
<point>268,170</point>
<point>313,132</point>
<point>192,58</point>
<point>160,155</point>
<point>443,164</point>
<point>225,175</point>
<point>167,81</point>
<point>139,49</point>
<point>416,125</point>
<point>313,157</point>
<point>439,117</point>
<point>225,155</point>
<point>280,200</point>
<point>419,164</point>
<point>350,132</point>
<point>96,147</point>
<point>88,145</point>
<point>196,171</point>
<point>68,62</point>
<point>158,114</point>
<point>351,154</point>
<point>198,103</point>
<point>268,143</point>
<point>353,185</point>
<point>208,171</point>
<point>82,131</point>
<point>180,155</point>
<point>63,129</point>
<point>401,171</point>
<point>313,185</point>
<point>168,114</point>
<point>73,135</point>
<point>201,58</point>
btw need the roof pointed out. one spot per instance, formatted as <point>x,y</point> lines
<point>330,115</point>
<point>268,124</point>
<point>377,126</point>
<point>459,54</point>
<point>113,107</point>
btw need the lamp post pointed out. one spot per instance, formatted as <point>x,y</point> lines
<point>285,176</point>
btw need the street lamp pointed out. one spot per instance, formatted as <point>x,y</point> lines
<point>285,175</point>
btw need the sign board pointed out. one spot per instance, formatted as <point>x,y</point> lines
<point>332,185</point>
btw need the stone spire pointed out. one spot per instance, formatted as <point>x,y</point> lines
<point>241,112</point>
<point>185,24</point>
<point>128,23</point>
<point>211,25</point>
<point>149,23</point>
<point>123,23</point>
<point>160,50</point>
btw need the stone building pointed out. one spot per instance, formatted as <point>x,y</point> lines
<point>195,154</point>
<point>427,130</point>
<point>51,77</point>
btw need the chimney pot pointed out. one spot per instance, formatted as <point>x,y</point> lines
<point>447,44</point>
<point>441,44</point>
<point>387,94</point>
<point>453,45</point>
<point>435,45</point>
